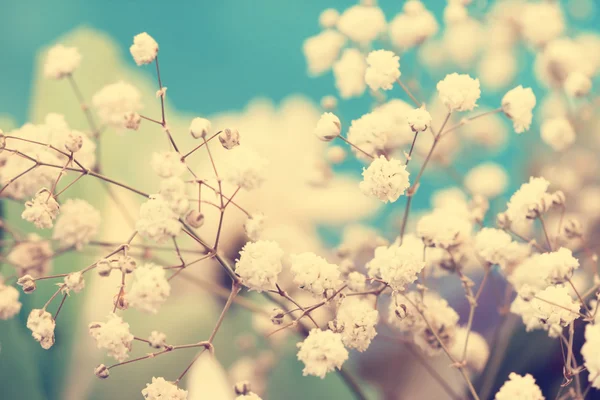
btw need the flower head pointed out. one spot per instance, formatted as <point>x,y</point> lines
<point>518,104</point>
<point>144,49</point>
<point>61,61</point>
<point>259,264</point>
<point>322,352</point>
<point>385,179</point>
<point>113,335</point>
<point>383,69</point>
<point>459,92</point>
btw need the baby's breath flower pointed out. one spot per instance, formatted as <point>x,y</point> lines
<point>31,256</point>
<point>519,387</point>
<point>150,288</point>
<point>349,73</point>
<point>591,353</point>
<point>132,120</point>
<point>557,133</point>
<point>61,61</point>
<point>157,339</point>
<point>356,281</point>
<point>254,226</point>
<point>397,265</point>
<point>328,127</point>
<point>478,351</point>
<point>413,26</point>
<point>41,210</point>
<point>492,245</point>
<point>459,92</point>
<point>144,49</point>
<point>113,335</point>
<point>529,200</point>
<point>383,69</point>
<point>73,282</point>
<point>359,319</point>
<point>173,190</point>
<point>259,264</point>
<point>518,104</point>
<point>101,371</point>
<point>443,229</point>
<point>385,179</point>
<point>362,24</point>
<point>157,220</point>
<point>322,50</point>
<point>195,218</point>
<point>314,274</point>
<point>538,33</point>
<point>160,389</point>
<point>419,119</point>
<point>27,283</point>
<point>229,138</point>
<point>42,325</point>
<point>577,84</point>
<point>114,101</point>
<point>9,301</point>
<point>77,225</point>
<point>246,168</point>
<point>328,18</point>
<point>321,352</point>
<point>487,179</point>
<point>199,127</point>
<point>168,164</point>
<point>73,142</point>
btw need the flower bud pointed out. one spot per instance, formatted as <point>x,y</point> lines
<point>73,142</point>
<point>127,264</point>
<point>195,218</point>
<point>401,312</point>
<point>503,221</point>
<point>328,127</point>
<point>336,326</point>
<point>199,128</point>
<point>132,120</point>
<point>558,198</point>
<point>242,388</point>
<point>229,138</point>
<point>103,267</point>
<point>277,316</point>
<point>27,282</point>
<point>101,371</point>
<point>572,228</point>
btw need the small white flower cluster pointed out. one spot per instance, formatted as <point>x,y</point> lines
<point>591,353</point>
<point>495,246</point>
<point>519,387</point>
<point>530,200</point>
<point>157,220</point>
<point>459,92</point>
<point>357,320</point>
<point>9,301</point>
<point>322,352</point>
<point>385,179</point>
<point>259,264</point>
<point>168,164</point>
<point>114,101</point>
<point>61,61</point>
<point>518,104</point>
<point>42,210</point>
<point>150,288</point>
<point>383,69</point>
<point>77,224</point>
<point>113,335</point>
<point>245,168</point>
<point>144,49</point>
<point>160,389</point>
<point>314,274</point>
<point>42,325</point>
<point>397,265</point>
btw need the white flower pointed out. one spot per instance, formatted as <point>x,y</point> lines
<point>113,335</point>
<point>229,138</point>
<point>157,220</point>
<point>61,61</point>
<point>349,73</point>
<point>577,84</point>
<point>443,229</point>
<point>560,265</point>
<point>413,26</point>
<point>329,18</point>
<point>494,245</point>
<point>487,179</point>
<point>362,24</point>
<point>259,264</point>
<point>77,225</point>
<point>248,396</point>
<point>559,309</point>
<point>419,119</point>
<point>132,120</point>
<point>150,288</point>
<point>168,164</point>
<point>114,101</point>
<point>358,318</point>
<point>518,104</point>
<point>254,226</point>
<point>459,92</point>
<point>322,352</point>
<point>383,69</point>
<point>173,191</point>
<point>59,134</point>
<point>74,282</point>
<point>478,351</point>
<point>541,22</point>
<point>41,210</point>
<point>32,255</point>
<point>358,240</point>
<point>356,281</point>
<point>157,339</point>
<point>322,50</point>
<point>591,353</point>
<point>9,301</point>
<point>397,265</point>
<point>529,200</point>
<point>416,314</point>
<point>42,325</point>
<point>245,168</point>
<point>73,142</point>
<point>144,49</point>
<point>385,179</point>
<point>200,127</point>
<point>160,389</point>
<point>557,133</point>
<point>328,127</point>
<point>314,274</point>
<point>519,387</point>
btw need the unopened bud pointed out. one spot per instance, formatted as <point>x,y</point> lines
<point>101,371</point>
<point>27,283</point>
<point>336,326</point>
<point>127,264</point>
<point>103,267</point>
<point>401,312</point>
<point>242,388</point>
<point>199,128</point>
<point>572,228</point>
<point>132,120</point>
<point>195,219</point>
<point>277,316</point>
<point>558,198</point>
<point>73,142</point>
<point>229,138</point>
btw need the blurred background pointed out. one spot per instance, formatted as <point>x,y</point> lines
<point>239,63</point>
